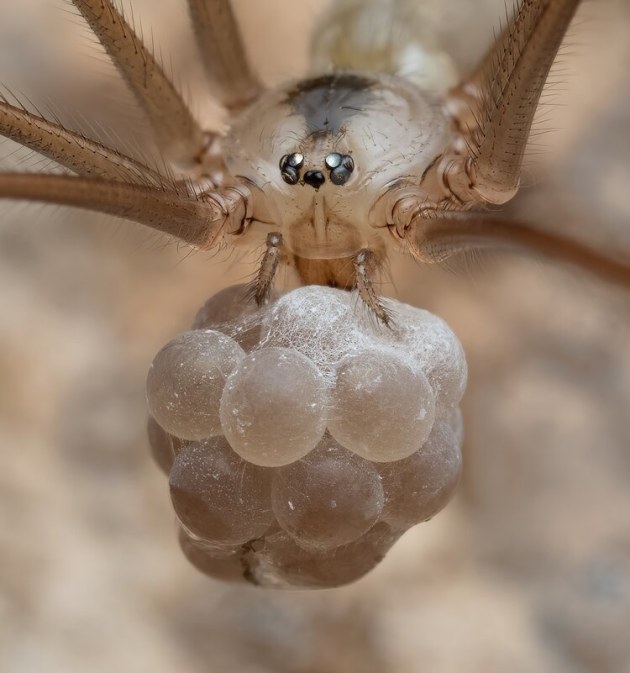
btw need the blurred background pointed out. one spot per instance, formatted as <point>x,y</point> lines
<point>528,570</point>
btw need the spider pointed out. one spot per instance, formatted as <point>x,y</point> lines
<point>176,171</point>
<point>329,172</point>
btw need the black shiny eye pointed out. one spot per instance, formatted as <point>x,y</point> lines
<point>289,167</point>
<point>348,163</point>
<point>340,176</point>
<point>314,178</point>
<point>341,167</point>
<point>290,175</point>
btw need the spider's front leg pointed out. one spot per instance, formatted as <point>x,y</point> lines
<point>493,111</point>
<point>196,210</point>
<point>492,115</point>
<point>177,133</point>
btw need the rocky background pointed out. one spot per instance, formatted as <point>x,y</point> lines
<point>527,571</point>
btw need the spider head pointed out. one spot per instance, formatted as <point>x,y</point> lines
<point>320,153</point>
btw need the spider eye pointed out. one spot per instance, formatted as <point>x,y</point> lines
<point>289,167</point>
<point>290,175</point>
<point>341,167</point>
<point>333,160</point>
<point>295,160</point>
<point>314,178</point>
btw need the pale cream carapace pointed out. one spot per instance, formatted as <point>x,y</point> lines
<point>382,145</point>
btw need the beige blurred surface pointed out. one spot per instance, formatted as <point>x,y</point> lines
<point>527,571</point>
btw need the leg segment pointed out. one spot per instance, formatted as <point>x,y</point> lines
<point>264,281</point>
<point>73,150</point>
<point>223,52</point>
<point>199,220</point>
<point>502,98</point>
<point>176,132</point>
<point>437,238</point>
<point>365,264</point>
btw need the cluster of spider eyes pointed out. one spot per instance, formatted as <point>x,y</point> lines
<point>340,167</point>
<point>301,440</point>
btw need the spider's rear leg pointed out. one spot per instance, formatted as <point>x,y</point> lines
<point>223,53</point>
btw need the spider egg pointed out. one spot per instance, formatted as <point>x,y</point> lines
<point>418,487</point>
<point>226,306</point>
<point>318,322</point>
<point>300,463</point>
<point>273,409</point>
<point>220,564</point>
<point>382,405</point>
<point>186,380</point>
<point>279,562</point>
<point>232,312</point>
<point>431,342</point>
<point>164,447</point>
<point>218,496</point>
<point>328,498</point>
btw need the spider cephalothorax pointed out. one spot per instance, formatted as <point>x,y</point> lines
<point>325,172</point>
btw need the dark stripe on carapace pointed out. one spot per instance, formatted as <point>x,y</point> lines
<point>329,101</point>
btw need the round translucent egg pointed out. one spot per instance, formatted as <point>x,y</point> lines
<point>186,380</point>
<point>319,322</point>
<point>273,409</point>
<point>431,342</point>
<point>164,447</point>
<point>221,564</point>
<point>233,312</point>
<point>218,496</point>
<point>419,486</point>
<point>277,561</point>
<point>328,498</point>
<point>382,406</point>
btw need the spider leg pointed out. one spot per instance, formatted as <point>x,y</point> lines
<point>177,134</point>
<point>436,237</point>
<point>223,52</point>
<point>263,284</point>
<point>494,110</point>
<point>365,264</point>
<point>465,102</point>
<point>493,113</point>
<point>72,150</point>
<point>199,220</point>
